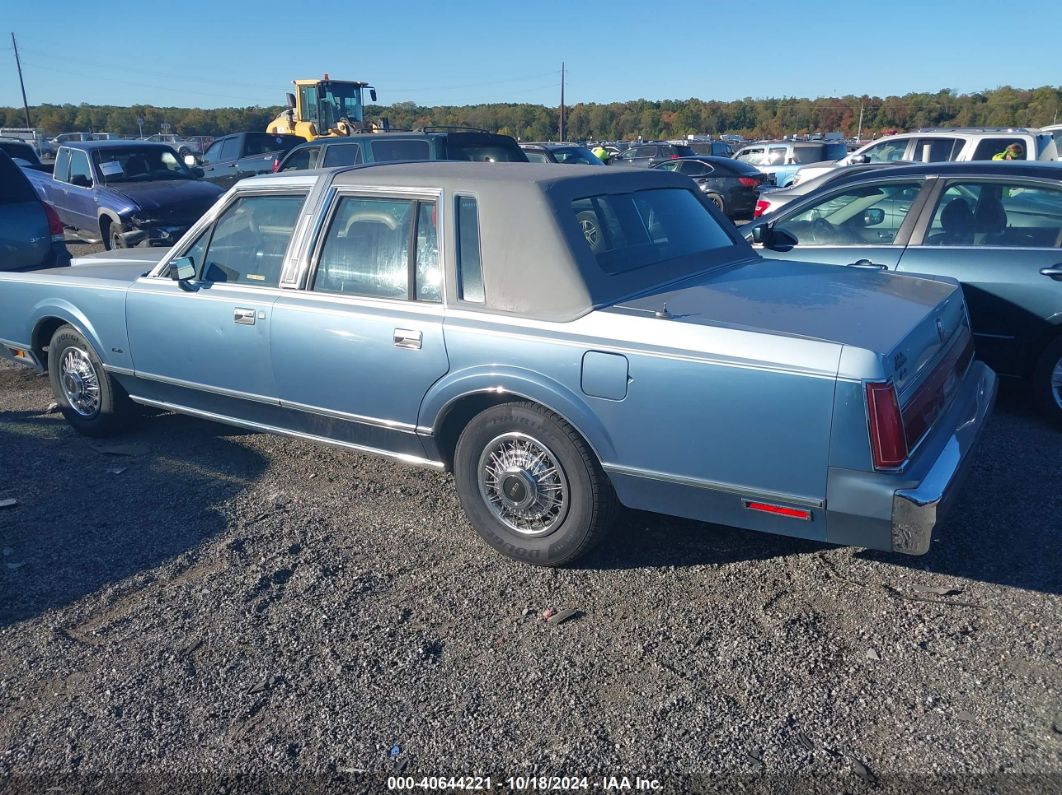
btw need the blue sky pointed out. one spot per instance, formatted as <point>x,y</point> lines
<point>240,53</point>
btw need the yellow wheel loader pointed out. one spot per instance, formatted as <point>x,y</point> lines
<point>323,108</point>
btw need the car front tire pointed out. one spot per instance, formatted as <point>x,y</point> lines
<point>531,486</point>
<point>87,396</point>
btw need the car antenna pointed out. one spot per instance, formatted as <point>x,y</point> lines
<point>663,312</point>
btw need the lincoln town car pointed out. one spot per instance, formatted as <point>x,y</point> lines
<point>566,341</point>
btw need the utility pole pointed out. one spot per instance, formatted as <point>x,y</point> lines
<point>562,138</point>
<point>18,63</point>
<point>859,132</point>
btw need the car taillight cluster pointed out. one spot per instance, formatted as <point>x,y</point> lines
<point>748,182</point>
<point>888,441</point>
<point>276,164</point>
<point>761,207</point>
<point>55,226</point>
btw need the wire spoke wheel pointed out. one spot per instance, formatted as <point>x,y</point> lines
<point>523,484</point>
<point>80,382</point>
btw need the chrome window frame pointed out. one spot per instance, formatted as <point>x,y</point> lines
<point>326,214</point>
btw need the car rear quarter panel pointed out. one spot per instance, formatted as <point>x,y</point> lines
<point>699,428</point>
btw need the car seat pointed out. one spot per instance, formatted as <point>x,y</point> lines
<point>990,221</point>
<point>957,221</point>
<point>135,166</point>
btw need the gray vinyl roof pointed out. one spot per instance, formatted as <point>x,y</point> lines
<point>536,262</point>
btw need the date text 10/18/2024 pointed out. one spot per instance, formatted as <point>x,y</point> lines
<point>524,783</point>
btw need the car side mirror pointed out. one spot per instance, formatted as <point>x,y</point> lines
<point>760,234</point>
<point>182,270</point>
<point>873,216</point>
<point>781,240</point>
<point>372,94</point>
<point>81,181</point>
<point>856,160</point>
<point>291,99</point>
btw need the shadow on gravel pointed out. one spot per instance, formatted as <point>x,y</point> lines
<point>647,539</point>
<point>86,519</point>
<point>1005,528</point>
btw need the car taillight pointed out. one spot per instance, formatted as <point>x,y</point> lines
<point>888,441</point>
<point>276,164</point>
<point>748,182</point>
<point>761,207</point>
<point>55,226</point>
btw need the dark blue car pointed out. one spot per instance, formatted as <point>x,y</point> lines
<point>125,192</point>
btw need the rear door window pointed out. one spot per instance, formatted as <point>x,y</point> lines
<point>994,213</point>
<point>366,250</point>
<point>941,150</point>
<point>887,151</point>
<point>407,149</point>
<point>342,155</point>
<point>694,169</point>
<point>990,147</point>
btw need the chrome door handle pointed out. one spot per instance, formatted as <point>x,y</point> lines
<point>866,264</point>
<point>1054,272</point>
<point>243,316</point>
<point>408,338</point>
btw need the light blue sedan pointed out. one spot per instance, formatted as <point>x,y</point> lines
<point>565,341</point>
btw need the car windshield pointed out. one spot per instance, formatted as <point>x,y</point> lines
<point>140,164</point>
<point>339,101</point>
<point>626,231</point>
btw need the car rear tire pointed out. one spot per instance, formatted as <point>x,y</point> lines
<point>1047,381</point>
<point>88,397</point>
<point>531,486</point>
<point>717,200</point>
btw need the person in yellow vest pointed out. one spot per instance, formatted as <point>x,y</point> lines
<point>1013,152</point>
<point>601,153</point>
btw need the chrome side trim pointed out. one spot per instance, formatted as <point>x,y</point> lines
<point>111,368</point>
<point>728,488</point>
<point>392,425</point>
<point>256,426</point>
<point>216,390</point>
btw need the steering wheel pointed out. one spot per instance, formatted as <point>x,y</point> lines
<point>821,230</point>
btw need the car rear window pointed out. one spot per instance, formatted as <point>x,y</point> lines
<point>415,149</point>
<point>627,231</point>
<point>23,151</point>
<point>483,146</point>
<point>14,187</point>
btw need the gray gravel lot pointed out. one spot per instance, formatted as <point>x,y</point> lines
<point>230,603</point>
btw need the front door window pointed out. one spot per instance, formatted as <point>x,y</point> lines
<point>863,215</point>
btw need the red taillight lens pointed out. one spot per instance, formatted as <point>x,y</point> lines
<point>276,164</point>
<point>55,226</point>
<point>888,442</point>
<point>761,207</point>
<point>748,182</point>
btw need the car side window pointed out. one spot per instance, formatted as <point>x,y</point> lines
<point>694,169</point>
<point>428,269</point>
<point>401,150</point>
<point>535,156</point>
<point>61,171</point>
<point>80,168</point>
<point>230,149</point>
<point>302,158</point>
<point>469,257</point>
<point>249,241</point>
<point>886,151</point>
<point>776,156</point>
<point>213,154</point>
<point>342,155</point>
<point>997,214</point>
<point>670,165</point>
<point>940,150</point>
<point>366,249</point>
<point>859,216</point>
<point>990,147</point>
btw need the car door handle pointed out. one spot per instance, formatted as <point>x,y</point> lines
<point>866,264</point>
<point>243,316</point>
<point>1054,272</point>
<point>408,338</point>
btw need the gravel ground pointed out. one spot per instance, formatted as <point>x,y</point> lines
<point>229,603</point>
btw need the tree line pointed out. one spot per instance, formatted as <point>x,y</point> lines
<point>641,118</point>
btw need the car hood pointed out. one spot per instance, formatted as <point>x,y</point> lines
<point>867,309</point>
<point>170,200</point>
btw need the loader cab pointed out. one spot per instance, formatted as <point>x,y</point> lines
<point>319,105</point>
